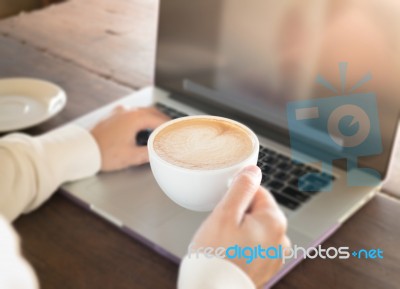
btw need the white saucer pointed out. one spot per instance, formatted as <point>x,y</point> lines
<point>25,102</point>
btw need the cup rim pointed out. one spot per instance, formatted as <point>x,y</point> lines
<point>164,125</point>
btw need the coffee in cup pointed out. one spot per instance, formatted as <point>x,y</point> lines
<point>195,158</point>
<point>204,143</point>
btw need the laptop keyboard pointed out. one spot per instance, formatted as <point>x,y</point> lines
<point>292,183</point>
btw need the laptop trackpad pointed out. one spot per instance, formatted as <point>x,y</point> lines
<point>130,195</point>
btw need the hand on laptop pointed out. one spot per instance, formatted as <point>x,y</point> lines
<point>247,216</point>
<point>115,136</point>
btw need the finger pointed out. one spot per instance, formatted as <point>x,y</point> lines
<point>265,208</point>
<point>142,156</point>
<point>263,200</point>
<point>274,219</point>
<point>241,193</point>
<point>151,122</point>
<point>144,119</point>
<point>154,111</point>
<point>138,156</point>
<point>286,243</point>
<point>119,109</point>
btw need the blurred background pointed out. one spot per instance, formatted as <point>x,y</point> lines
<point>256,56</point>
<point>269,51</point>
<point>12,7</point>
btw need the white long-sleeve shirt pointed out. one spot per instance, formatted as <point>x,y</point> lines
<point>32,168</point>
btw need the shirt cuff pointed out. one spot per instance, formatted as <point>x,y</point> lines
<point>72,151</point>
<point>213,273</point>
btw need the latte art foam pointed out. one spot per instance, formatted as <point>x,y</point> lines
<point>203,143</point>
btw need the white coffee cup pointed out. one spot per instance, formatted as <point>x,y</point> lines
<point>197,189</point>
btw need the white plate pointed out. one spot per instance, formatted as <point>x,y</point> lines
<point>25,102</point>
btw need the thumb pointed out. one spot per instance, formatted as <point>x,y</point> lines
<point>241,193</point>
<point>138,156</point>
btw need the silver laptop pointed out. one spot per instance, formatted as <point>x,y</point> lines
<point>197,73</point>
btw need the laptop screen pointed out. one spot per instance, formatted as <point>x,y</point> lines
<point>321,74</point>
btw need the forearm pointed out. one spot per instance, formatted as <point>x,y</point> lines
<point>32,168</point>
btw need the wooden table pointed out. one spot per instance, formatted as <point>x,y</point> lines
<point>99,51</point>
